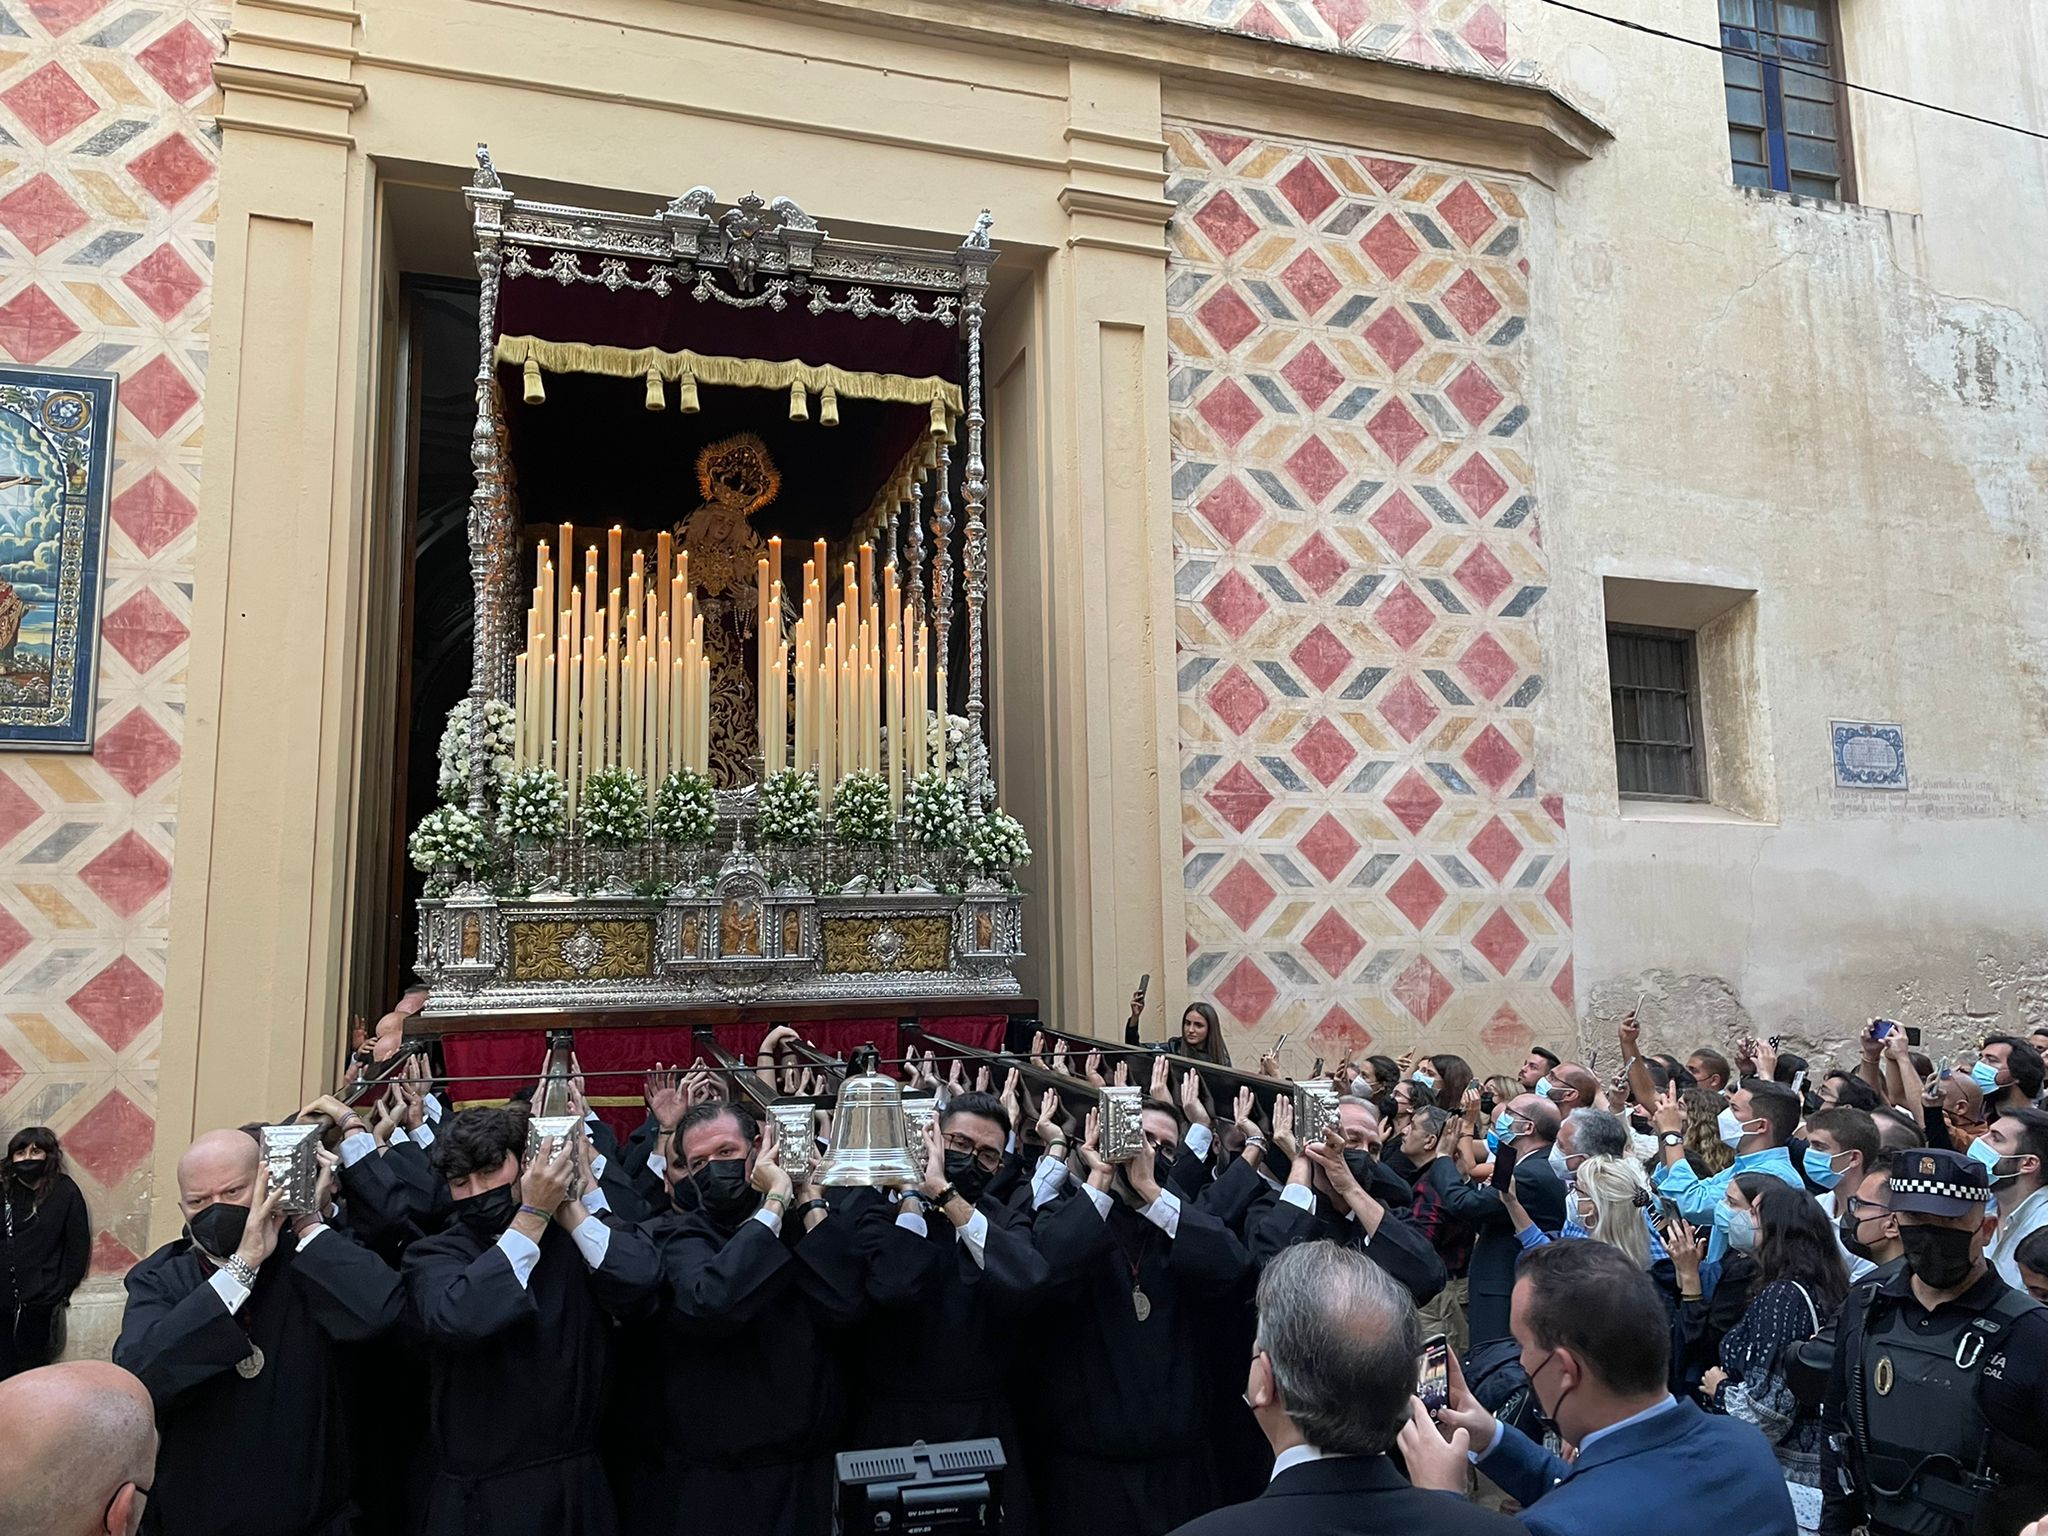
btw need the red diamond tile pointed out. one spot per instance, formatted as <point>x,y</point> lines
<point>143,630</point>
<point>119,1003</point>
<point>39,214</point>
<point>1309,278</point>
<point>1240,797</point>
<point>1482,574</point>
<point>1564,989</point>
<point>1319,563</point>
<point>1471,303</point>
<point>1226,147</point>
<point>1493,758</point>
<point>1237,701</point>
<point>50,103</point>
<point>152,512</point>
<point>1243,894</point>
<point>171,170</point>
<point>1487,32</point>
<point>127,874</point>
<point>1342,16</point>
<point>164,281</point>
<point>13,937</point>
<point>1341,1036</point>
<point>1225,222</point>
<point>181,62</point>
<point>1560,895</point>
<point>17,810</point>
<point>1487,667</point>
<point>1408,709</point>
<point>111,1256</point>
<point>1324,752</point>
<point>1390,247</point>
<point>1505,1034</point>
<point>1308,189</point>
<point>1421,989</point>
<point>1495,849</point>
<point>1469,215</point>
<point>1231,509</point>
<point>1393,338</point>
<point>137,751</point>
<point>1322,657</point>
<point>1553,807</point>
<point>1500,941</point>
<point>1416,895</point>
<point>1413,801</point>
<point>1314,377</point>
<point>1396,430</point>
<point>1261,22</point>
<point>10,1073</point>
<point>1405,617</point>
<point>111,1141</point>
<point>1230,412</point>
<point>1479,484</point>
<point>1315,469</point>
<point>1474,394</point>
<point>1328,846</point>
<point>158,395</point>
<point>1400,522</point>
<point>1227,317</point>
<point>1333,943</point>
<point>1235,604</point>
<point>32,326</point>
<point>1246,992</point>
<point>1388,173</point>
<point>60,16</point>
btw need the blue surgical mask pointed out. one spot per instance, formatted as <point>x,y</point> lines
<point>1820,1167</point>
<point>1422,1077</point>
<point>1504,1126</point>
<point>1982,1151</point>
<point>1542,1088</point>
<point>1741,1229</point>
<point>1985,1075</point>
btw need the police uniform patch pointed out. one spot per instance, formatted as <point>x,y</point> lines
<point>1882,1380</point>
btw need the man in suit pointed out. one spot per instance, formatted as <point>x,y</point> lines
<point>1596,1347</point>
<point>1333,1370</point>
<point>1529,1124</point>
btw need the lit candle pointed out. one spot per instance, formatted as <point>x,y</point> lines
<point>593,710</point>
<point>613,576</point>
<point>675,714</point>
<point>939,700</point>
<point>610,749</point>
<point>828,716</point>
<point>895,733</point>
<point>572,765</point>
<point>590,591</point>
<point>867,583</point>
<point>703,710</point>
<point>519,708</point>
<point>558,749</point>
<point>664,561</point>
<point>565,534</point>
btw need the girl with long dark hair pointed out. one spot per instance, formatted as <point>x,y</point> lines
<point>45,1249</point>
<point>1200,1037</point>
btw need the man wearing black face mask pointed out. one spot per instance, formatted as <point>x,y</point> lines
<point>954,1268</point>
<point>758,1278</point>
<point>514,1304</point>
<point>1937,1407</point>
<point>238,1330</point>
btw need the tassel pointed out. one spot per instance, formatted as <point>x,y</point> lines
<point>534,394</point>
<point>939,419</point>
<point>686,394</point>
<point>799,407</point>
<point>828,407</point>
<point>655,399</point>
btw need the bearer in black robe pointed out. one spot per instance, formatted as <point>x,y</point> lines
<point>238,1330</point>
<point>758,1278</point>
<point>1138,1278</point>
<point>954,1269</point>
<point>514,1304</point>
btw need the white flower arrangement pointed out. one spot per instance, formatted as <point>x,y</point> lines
<point>789,809</point>
<point>996,843</point>
<point>686,809</point>
<point>500,730</point>
<point>448,835</point>
<point>965,754</point>
<point>861,812</point>
<point>614,809</point>
<point>935,805</point>
<point>532,806</point>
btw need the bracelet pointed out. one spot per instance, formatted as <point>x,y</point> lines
<point>1062,1144</point>
<point>774,1196</point>
<point>948,1193</point>
<point>1257,1141</point>
<point>240,1271</point>
<point>352,1120</point>
<point>809,1206</point>
<point>533,1210</point>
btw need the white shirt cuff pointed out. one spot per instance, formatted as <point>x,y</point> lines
<point>593,1241</point>
<point>1199,1140</point>
<point>423,1134</point>
<point>1299,1195</point>
<point>769,1217</point>
<point>975,1236</point>
<point>595,1200</point>
<point>398,1135</point>
<point>231,1291</point>
<point>1046,1180</point>
<point>913,1221</point>
<point>597,1165</point>
<point>1164,1213</point>
<point>521,1252</point>
<point>657,1165</point>
<point>1492,1444</point>
<point>1097,1198</point>
<point>306,1237</point>
<point>357,1147</point>
<point>433,1107</point>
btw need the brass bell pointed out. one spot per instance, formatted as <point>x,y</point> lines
<point>868,1135</point>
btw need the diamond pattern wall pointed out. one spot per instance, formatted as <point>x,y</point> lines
<point>107,158</point>
<point>1369,859</point>
<point>1469,36</point>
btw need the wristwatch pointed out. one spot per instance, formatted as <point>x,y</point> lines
<point>239,1269</point>
<point>1671,1139</point>
<point>939,1200</point>
<point>798,1213</point>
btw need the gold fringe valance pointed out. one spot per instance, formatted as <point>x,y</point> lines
<point>535,355</point>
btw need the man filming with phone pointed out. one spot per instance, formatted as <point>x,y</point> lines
<point>1520,1138</point>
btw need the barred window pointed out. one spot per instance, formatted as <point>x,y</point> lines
<point>1782,75</point>
<point>1654,678</point>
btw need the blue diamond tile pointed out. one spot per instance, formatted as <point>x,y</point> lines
<point>1446,598</point>
<point>1432,321</point>
<point>1352,311</point>
<point>1451,692</point>
<point>1453,780</point>
<point>1282,679</point>
<point>1520,604</point>
<point>1283,774</point>
<point>1193,671</point>
<point>1362,685</point>
<point>1198,869</point>
<point>1196,768</point>
<point>1360,590</point>
<point>1276,578</point>
<point>1525,695</point>
<point>1426,227</point>
<point>1275,488</point>
<point>1374,870</point>
<point>1201,967</point>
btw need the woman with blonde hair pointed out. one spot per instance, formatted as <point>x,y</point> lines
<point>1608,1200</point>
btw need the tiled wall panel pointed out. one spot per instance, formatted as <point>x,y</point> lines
<point>1467,36</point>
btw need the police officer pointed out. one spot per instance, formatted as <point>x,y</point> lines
<point>1937,1405</point>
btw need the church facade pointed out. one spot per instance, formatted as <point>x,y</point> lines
<point>1494,515</point>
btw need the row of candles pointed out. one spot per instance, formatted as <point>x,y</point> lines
<point>626,682</point>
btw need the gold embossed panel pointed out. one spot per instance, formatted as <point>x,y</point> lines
<point>604,949</point>
<point>857,944</point>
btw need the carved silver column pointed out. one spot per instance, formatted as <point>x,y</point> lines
<point>913,545</point>
<point>488,531</point>
<point>975,259</point>
<point>942,562</point>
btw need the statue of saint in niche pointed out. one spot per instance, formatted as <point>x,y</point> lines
<point>736,478</point>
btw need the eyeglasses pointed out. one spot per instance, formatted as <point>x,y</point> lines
<point>987,1158</point>
<point>1861,1210</point>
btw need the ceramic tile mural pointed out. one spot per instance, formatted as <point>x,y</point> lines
<point>1368,857</point>
<point>1469,36</point>
<point>107,169</point>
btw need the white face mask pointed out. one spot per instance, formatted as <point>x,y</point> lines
<point>1733,1128</point>
<point>1560,1165</point>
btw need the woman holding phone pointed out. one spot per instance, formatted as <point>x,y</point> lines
<point>1200,1037</point>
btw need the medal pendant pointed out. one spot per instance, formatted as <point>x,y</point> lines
<point>1141,1304</point>
<point>252,1367</point>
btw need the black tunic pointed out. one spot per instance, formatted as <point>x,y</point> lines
<point>1122,1409</point>
<point>1397,1247</point>
<point>753,1394</point>
<point>518,1377</point>
<point>40,1267</point>
<point>267,1456</point>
